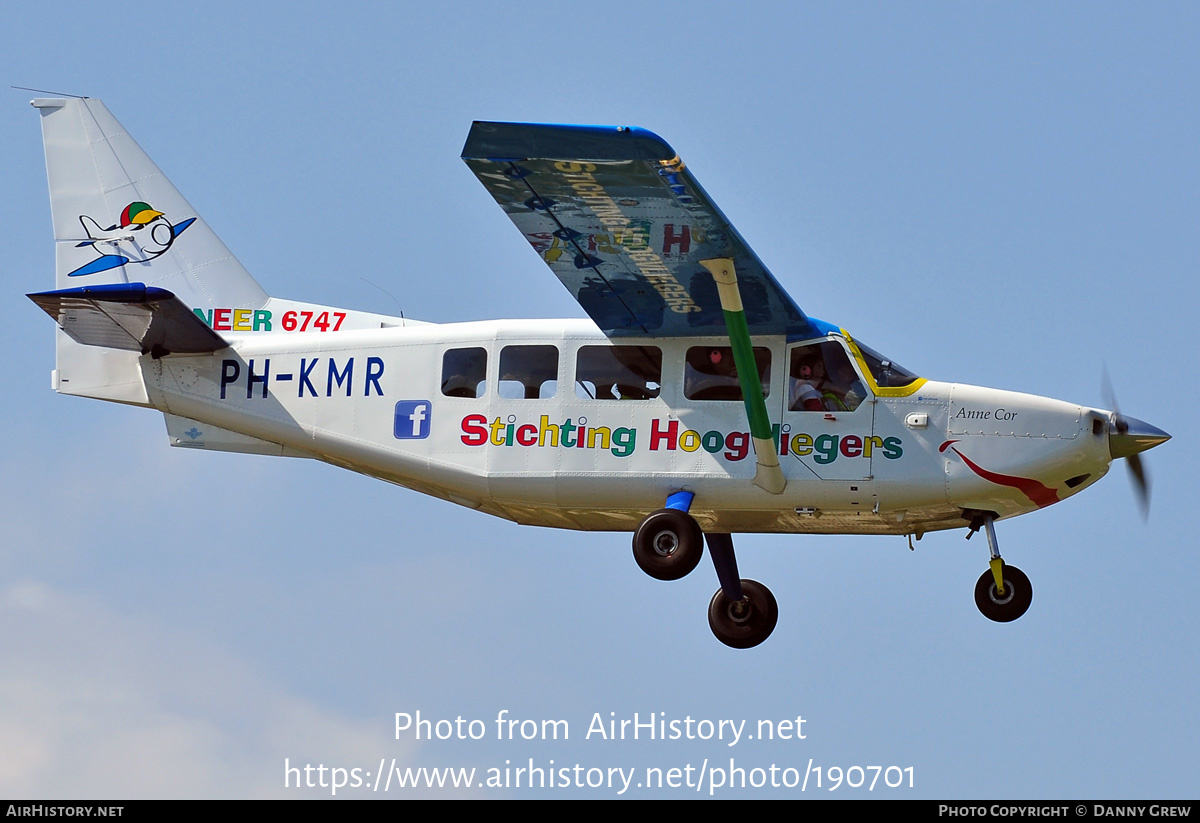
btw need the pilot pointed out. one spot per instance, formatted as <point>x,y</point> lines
<point>848,391</point>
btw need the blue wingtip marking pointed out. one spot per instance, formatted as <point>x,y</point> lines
<point>513,142</point>
<point>824,328</point>
<point>113,292</point>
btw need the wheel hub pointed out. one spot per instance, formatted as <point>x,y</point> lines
<point>1006,598</point>
<point>740,611</point>
<point>665,543</point>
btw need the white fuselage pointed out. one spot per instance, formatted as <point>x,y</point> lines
<point>375,401</point>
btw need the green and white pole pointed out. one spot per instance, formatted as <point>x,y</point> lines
<point>769,474</point>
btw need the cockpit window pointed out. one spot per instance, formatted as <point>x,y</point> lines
<point>887,373</point>
<point>822,379</point>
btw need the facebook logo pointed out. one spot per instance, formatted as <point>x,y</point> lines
<point>412,419</point>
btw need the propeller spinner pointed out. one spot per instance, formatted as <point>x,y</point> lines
<point>1128,437</point>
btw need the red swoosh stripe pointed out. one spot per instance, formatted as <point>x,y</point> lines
<point>1039,493</point>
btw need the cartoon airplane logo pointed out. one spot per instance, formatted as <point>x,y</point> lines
<point>142,235</point>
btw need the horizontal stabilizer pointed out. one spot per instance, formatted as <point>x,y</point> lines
<point>129,316</point>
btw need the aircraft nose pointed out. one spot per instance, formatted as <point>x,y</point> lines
<point>1128,436</point>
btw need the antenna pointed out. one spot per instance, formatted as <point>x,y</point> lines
<point>55,93</point>
<point>385,291</point>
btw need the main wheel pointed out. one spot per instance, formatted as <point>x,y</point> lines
<point>1018,594</point>
<point>668,544</point>
<point>746,623</point>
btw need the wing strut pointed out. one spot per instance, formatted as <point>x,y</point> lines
<point>769,474</point>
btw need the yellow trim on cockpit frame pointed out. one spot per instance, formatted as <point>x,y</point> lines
<point>895,391</point>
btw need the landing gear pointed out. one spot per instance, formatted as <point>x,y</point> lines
<point>1006,607</point>
<point>742,613</point>
<point>668,544</point>
<point>743,624</point>
<point>1003,592</point>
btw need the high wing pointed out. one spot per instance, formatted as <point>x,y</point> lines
<point>617,216</point>
<point>623,224</point>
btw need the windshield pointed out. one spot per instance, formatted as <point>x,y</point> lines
<point>888,374</point>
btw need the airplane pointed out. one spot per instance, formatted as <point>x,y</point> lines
<point>695,402</point>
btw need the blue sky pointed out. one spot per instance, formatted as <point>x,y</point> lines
<point>999,194</point>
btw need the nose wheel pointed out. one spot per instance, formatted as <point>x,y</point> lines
<point>1003,592</point>
<point>1006,606</point>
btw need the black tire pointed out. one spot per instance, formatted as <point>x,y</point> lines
<point>757,618</point>
<point>1018,594</point>
<point>668,544</point>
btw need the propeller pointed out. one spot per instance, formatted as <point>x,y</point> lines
<point>1128,437</point>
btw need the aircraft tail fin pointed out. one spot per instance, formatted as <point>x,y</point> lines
<point>137,270</point>
<point>118,219</point>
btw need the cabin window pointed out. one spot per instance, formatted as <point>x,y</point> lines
<point>528,372</point>
<point>618,372</point>
<point>823,380</point>
<point>710,374</point>
<point>464,372</point>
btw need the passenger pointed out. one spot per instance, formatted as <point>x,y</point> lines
<point>808,378</point>
<point>711,375</point>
